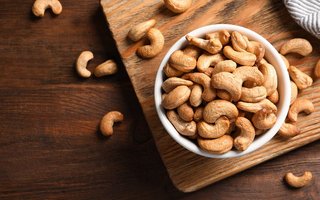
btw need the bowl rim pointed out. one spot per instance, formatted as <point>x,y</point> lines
<point>259,142</point>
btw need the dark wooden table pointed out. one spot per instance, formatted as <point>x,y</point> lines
<point>50,145</point>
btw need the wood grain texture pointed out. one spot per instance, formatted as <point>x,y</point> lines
<point>269,18</point>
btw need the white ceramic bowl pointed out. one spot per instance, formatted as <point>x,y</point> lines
<point>272,56</point>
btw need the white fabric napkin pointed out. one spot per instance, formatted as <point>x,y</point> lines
<point>306,13</point>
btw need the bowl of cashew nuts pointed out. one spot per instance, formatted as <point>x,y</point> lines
<point>222,91</point>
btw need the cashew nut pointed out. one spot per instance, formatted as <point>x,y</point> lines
<point>239,43</point>
<point>220,145</point>
<point>274,97</point>
<point>257,49</point>
<point>198,114</point>
<point>178,6</point>
<point>253,95</point>
<point>82,62</point>
<point>298,181</point>
<point>209,92</point>
<point>285,60</point>
<point>224,66</point>
<point>216,130</point>
<point>176,97</point>
<point>139,31</point>
<point>106,124</point>
<point>185,112</point>
<point>255,107</point>
<point>223,36</point>
<point>192,51</point>
<point>170,71</point>
<point>206,60</point>
<point>317,69</point>
<point>264,119</point>
<point>184,128</point>
<point>297,45</point>
<point>218,108</point>
<point>270,78</point>
<point>247,73</point>
<point>156,44</point>
<point>212,46</point>
<point>222,94</point>
<point>242,58</point>
<point>39,7</point>
<point>195,98</point>
<point>288,130</point>
<point>301,79</point>
<point>260,132</point>
<point>229,82</point>
<point>247,134</point>
<point>294,92</point>
<point>182,62</point>
<point>172,82</point>
<point>300,105</point>
<point>107,68</point>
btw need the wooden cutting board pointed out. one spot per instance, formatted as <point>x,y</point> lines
<point>188,171</point>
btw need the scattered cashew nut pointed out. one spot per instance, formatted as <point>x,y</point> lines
<point>107,68</point>
<point>182,62</point>
<point>156,44</point>
<point>228,82</point>
<point>270,78</point>
<point>137,32</point>
<point>239,43</point>
<point>264,119</point>
<point>172,82</point>
<point>216,130</point>
<point>247,73</point>
<point>218,108</point>
<point>242,58</point>
<point>82,62</point>
<point>298,181</point>
<point>178,6</point>
<point>288,130</point>
<point>247,135</point>
<point>184,128</point>
<point>317,69</point>
<point>39,7</point>
<point>301,79</point>
<point>106,124</point>
<point>220,145</point>
<point>224,66</point>
<point>176,97</point>
<point>206,60</point>
<point>300,105</point>
<point>297,45</point>
<point>254,94</point>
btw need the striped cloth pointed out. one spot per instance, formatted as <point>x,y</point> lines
<point>306,13</point>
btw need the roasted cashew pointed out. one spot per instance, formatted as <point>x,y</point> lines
<point>285,60</point>
<point>223,36</point>
<point>139,31</point>
<point>264,119</point>
<point>297,45</point>
<point>247,73</point>
<point>192,51</point>
<point>298,181</point>
<point>39,7</point>
<point>156,44</point>
<point>212,46</point>
<point>171,72</point>
<point>274,97</point>
<point>239,43</point>
<point>216,130</point>
<point>229,82</point>
<point>176,97</point>
<point>198,114</point>
<point>218,108</point>
<point>301,79</point>
<point>178,6</point>
<point>224,66</point>
<point>206,60</point>
<point>288,130</point>
<point>209,93</point>
<point>246,137</point>
<point>294,92</point>
<point>300,105</point>
<point>222,94</point>
<point>185,112</point>
<point>82,62</point>
<point>220,145</point>
<point>257,49</point>
<point>242,58</point>
<point>109,67</point>
<point>260,132</point>
<point>169,84</point>
<point>182,62</point>
<point>255,107</point>
<point>106,124</point>
<point>184,128</point>
<point>270,78</point>
<point>317,69</point>
<point>253,95</point>
<point>195,98</point>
